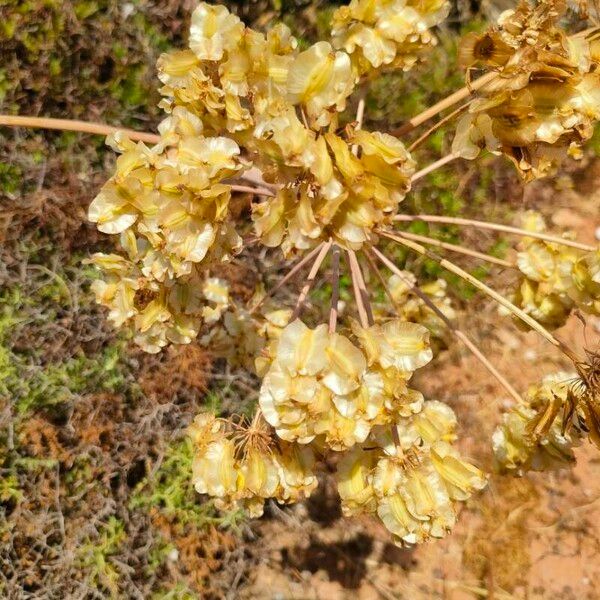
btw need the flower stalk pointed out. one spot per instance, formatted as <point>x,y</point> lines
<point>361,295</point>
<point>458,333</point>
<point>310,280</point>
<point>499,298</point>
<point>434,166</point>
<point>496,227</point>
<point>335,288</point>
<point>458,249</point>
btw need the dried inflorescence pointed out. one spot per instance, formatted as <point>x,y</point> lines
<point>386,33</point>
<point>555,417</point>
<point>322,386</point>
<point>410,476</point>
<point>251,112</point>
<point>544,99</point>
<point>555,279</point>
<point>331,191</point>
<point>241,467</point>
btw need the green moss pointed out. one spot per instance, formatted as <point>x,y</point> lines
<point>10,174</point>
<point>158,555</point>
<point>32,386</point>
<point>95,556</point>
<point>171,491</point>
<point>9,488</point>
<point>85,8</point>
<point>59,383</point>
<point>132,90</point>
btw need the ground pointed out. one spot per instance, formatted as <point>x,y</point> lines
<point>95,495</point>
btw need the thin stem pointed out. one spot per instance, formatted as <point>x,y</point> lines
<point>364,292</point>
<point>433,166</point>
<point>251,190</point>
<point>335,288</point>
<point>254,176</point>
<point>311,279</point>
<point>81,126</point>
<point>297,267</point>
<point>495,227</point>
<point>102,129</point>
<point>439,124</point>
<point>442,105</point>
<point>360,115</point>
<point>360,110</point>
<point>456,248</point>
<point>460,335</point>
<point>499,298</point>
<point>361,294</point>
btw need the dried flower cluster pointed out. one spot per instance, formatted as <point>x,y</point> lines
<point>324,393</point>
<point>321,385</point>
<point>386,33</point>
<point>253,154</point>
<point>544,100</point>
<point>332,193</point>
<point>242,468</point>
<point>540,433</point>
<point>414,309</point>
<point>410,476</point>
<point>555,279</point>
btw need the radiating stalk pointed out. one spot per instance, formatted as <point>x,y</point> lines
<point>71,125</point>
<point>456,248</point>
<point>459,334</point>
<point>496,227</point>
<point>361,295</point>
<point>433,166</point>
<point>310,280</point>
<point>442,105</point>
<point>499,298</point>
<point>440,123</point>
<point>297,267</point>
<point>335,288</point>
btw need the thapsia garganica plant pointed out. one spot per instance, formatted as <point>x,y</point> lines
<point>248,112</point>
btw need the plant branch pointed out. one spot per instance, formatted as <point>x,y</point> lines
<point>495,227</point>
<point>442,105</point>
<point>456,248</point>
<point>297,267</point>
<point>360,110</point>
<point>252,176</point>
<point>311,278</point>
<point>361,295</point>
<point>80,126</point>
<point>247,189</point>
<point>460,335</point>
<point>335,288</point>
<point>433,166</point>
<point>499,298</point>
<point>439,124</point>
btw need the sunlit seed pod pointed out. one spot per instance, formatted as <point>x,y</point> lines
<point>381,33</point>
<point>535,435</point>
<point>460,478</point>
<point>320,79</point>
<point>436,422</point>
<point>354,482</point>
<point>213,31</point>
<point>404,346</point>
<point>301,351</point>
